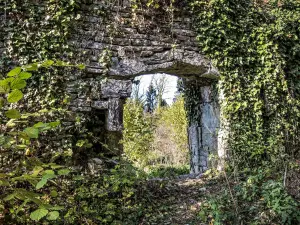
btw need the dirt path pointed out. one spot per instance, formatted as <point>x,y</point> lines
<point>178,201</point>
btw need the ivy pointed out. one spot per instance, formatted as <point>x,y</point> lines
<point>18,195</point>
<point>255,45</point>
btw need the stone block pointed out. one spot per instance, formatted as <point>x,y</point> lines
<point>98,45</point>
<point>146,53</point>
<point>206,94</point>
<point>208,139</point>
<point>114,119</point>
<point>210,117</point>
<point>80,109</point>
<point>121,41</point>
<point>94,70</point>
<point>140,42</point>
<point>100,105</point>
<point>83,103</point>
<point>113,88</point>
<point>84,109</point>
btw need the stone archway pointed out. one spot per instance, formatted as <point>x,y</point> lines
<point>198,78</point>
<point>158,45</point>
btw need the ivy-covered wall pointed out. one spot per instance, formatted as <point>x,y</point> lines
<point>255,45</point>
<point>116,43</point>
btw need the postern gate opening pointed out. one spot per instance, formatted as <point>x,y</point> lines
<point>201,103</point>
<point>137,49</point>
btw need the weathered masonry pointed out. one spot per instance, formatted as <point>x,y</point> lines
<point>118,44</point>
<point>146,43</point>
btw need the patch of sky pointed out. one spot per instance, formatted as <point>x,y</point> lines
<point>144,81</point>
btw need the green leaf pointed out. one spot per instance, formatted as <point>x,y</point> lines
<point>10,197</point>
<point>81,66</point>
<point>24,136</point>
<point>11,123</point>
<point>38,214</point>
<point>55,166</point>
<point>37,170</point>
<point>2,141</point>
<point>57,207</point>
<point>14,72</point>
<point>32,132</point>
<point>64,172</point>
<point>4,183</point>
<point>1,102</point>
<point>18,84</point>
<point>21,146</point>
<point>3,175</point>
<point>48,63</point>
<point>53,193</point>
<point>78,177</point>
<point>54,124</point>
<point>13,114</point>
<point>49,172</point>
<point>49,176</point>
<point>15,96</point>
<point>80,143</point>
<point>53,215</point>
<point>31,67</point>
<point>39,125</point>
<point>4,86</point>
<point>24,75</point>
<point>61,63</point>
<point>41,183</point>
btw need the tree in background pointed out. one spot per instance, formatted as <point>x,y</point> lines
<point>160,84</point>
<point>158,136</point>
<point>136,95</point>
<point>170,138</point>
<point>137,134</point>
<point>151,98</point>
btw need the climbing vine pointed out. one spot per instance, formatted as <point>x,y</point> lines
<point>255,46</point>
<point>37,31</point>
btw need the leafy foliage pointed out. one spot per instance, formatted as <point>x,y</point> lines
<point>18,196</point>
<point>137,134</point>
<point>254,44</point>
<point>250,42</point>
<point>175,118</point>
<point>257,199</point>
<point>170,145</point>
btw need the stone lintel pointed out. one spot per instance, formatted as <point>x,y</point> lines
<point>100,105</point>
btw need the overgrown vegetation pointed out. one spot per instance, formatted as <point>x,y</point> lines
<point>155,136</point>
<point>36,189</point>
<point>254,44</point>
<point>259,197</point>
<point>45,174</point>
<point>19,136</point>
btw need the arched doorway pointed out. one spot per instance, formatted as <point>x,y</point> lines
<point>199,82</point>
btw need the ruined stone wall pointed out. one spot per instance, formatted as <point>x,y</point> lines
<point>117,45</point>
<point>2,34</point>
<point>153,44</point>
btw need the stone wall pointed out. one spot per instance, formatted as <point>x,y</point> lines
<point>146,42</point>
<point>118,45</point>
<point>2,34</point>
